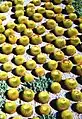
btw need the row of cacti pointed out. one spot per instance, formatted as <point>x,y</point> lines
<point>38,85</point>
<point>76,3</point>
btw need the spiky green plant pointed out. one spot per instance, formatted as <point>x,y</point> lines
<point>50,116</point>
<point>78,6</point>
<point>3,89</point>
<point>40,84</point>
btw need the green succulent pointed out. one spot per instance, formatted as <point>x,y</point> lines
<point>3,89</point>
<point>50,116</point>
<point>2,101</point>
<point>40,84</point>
<point>78,6</point>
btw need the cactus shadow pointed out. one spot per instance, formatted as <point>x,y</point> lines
<point>45,66</point>
<point>73,107</point>
<point>79,80</point>
<point>68,95</point>
<point>18,110</point>
<point>74,70</point>
<point>79,47</point>
<point>37,110</point>
<point>53,104</point>
<point>58,115</point>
